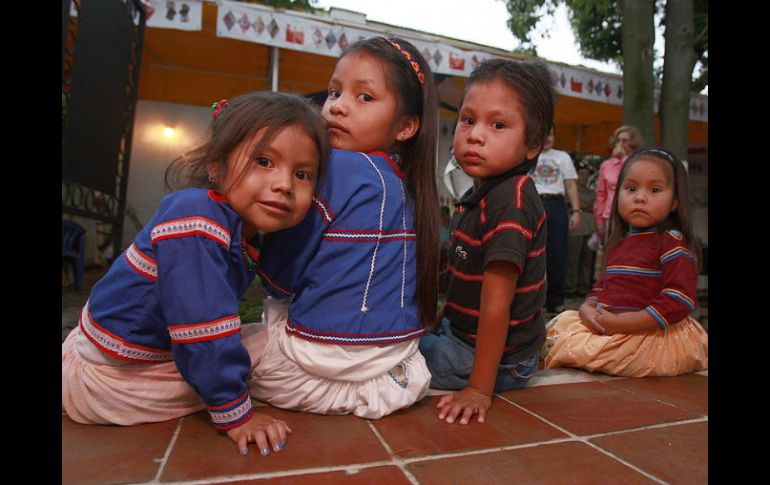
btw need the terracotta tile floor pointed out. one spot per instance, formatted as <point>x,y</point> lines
<point>568,427</point>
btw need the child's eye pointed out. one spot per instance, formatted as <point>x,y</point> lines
<point>365,97</point>
<point>655,190</point>
<point>498,125</point>
<point>306,175</point>
<point>264,162</point>
<point>629,188</point>
<point>334,94</point>
<point>467,120</point>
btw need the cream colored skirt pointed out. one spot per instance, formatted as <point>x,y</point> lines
<point>681,349</point>
<point>100,389</point>
<point>368,381</point>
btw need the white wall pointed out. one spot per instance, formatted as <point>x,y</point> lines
<point>151,152</point>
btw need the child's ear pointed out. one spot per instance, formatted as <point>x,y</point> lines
<point>675,204</point>
<point>407,128</point>
<point>213,169</point>
<point>533,151</point>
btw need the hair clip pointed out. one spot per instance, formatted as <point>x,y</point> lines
<point>415,65</point>
<point>665,154</point>
<point>219,106</point>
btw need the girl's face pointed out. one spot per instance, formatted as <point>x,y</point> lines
<point>362,110</point>
<point>490,137</point>
<point>646,196</point>
<point>271,189</point>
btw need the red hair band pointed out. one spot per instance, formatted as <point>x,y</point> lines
<point>415,64</point>
<point>219,106</point>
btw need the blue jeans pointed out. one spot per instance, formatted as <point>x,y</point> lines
<point>450,361</point>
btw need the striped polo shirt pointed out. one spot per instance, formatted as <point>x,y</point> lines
<point>502,220</point>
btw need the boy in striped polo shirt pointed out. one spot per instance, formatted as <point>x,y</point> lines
<point>492,326</point>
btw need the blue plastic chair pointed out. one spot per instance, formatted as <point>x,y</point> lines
<point>73,249</point>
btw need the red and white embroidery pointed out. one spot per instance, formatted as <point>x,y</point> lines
<point>223,418</point>
<point>369,236</point>
<point>323,207</point>
<point>116,346</point>
<point>191,226</point>
<point>198,332</point>
<point>142,263</point>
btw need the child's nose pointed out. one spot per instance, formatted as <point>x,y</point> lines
<point>338,106</point>
<point>283,181</point>
<point>475,134</point>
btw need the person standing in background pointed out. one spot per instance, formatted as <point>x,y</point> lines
<point>554,176</point>
<point>580,258</point>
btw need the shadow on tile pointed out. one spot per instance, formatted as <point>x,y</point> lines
<point>676,454</point>
<point>568,463</point>
<point>688,391</point>
<point>93,454</point>
<point>595,407</point>
<point>417,431</point>
<point>315,441</point>
<point>385,475</point>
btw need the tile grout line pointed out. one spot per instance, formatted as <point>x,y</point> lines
<point>350,469</point>
<point>393,458</point>
<point>166,455</point>
<point>586,441</point>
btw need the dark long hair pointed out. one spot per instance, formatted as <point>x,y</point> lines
<point>243,116</point>
<point>678,219</point>
<point>418,155</point>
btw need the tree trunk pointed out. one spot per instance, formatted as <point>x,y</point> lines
<point>638,37</point>
<point>679,62</point>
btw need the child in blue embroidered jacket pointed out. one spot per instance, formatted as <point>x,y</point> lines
<point>160,336</point>
<point>493,327</point>
<point>362,267</point>
<point>637,321</point>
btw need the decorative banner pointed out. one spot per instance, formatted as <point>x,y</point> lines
<point>166,14</point>
<point>307,33</point>
<point>174,14</point>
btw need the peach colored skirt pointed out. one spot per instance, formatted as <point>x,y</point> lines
<point>100,389</point>
<point>367,381</point>
<point>681,349</point>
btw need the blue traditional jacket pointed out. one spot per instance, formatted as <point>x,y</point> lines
<point>350,265</point>
<point>173,295</point>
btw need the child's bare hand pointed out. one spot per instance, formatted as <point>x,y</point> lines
<point>607,321</point>
<point>263,430</point>
<point>588,316</point>
<point>464,404</point>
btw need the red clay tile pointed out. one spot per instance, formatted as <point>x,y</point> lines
<point>417,431</point>
<point>112,454</point>
<point>570,463</point>
<point>675,454</point>
<point>315,441</point>
<point>688,391</point>
<point>595,407</point>
<point>385,475</point>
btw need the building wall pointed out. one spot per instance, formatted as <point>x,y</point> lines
<point>151,152</point>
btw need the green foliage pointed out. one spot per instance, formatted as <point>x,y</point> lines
<point>303,5</point>
<point>597,27</point>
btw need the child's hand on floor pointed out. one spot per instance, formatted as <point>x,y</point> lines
<point>464,403</point>
<point>260,429</point>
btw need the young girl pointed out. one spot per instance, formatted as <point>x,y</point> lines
<point>362,268</point>
<point>160,336</point>
<point>636,321</point>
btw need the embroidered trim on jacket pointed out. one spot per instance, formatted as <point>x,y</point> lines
<point>116,346</point>
<point>229,418</point>
<point>191,226</point>
<point>324,337</point>
<point>199,332</point>
<point>323,207</point>
<point>142,264</point>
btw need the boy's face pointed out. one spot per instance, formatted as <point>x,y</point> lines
<point>491,131</point>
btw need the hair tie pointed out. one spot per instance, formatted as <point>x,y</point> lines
<point>415,65</point>
<point>219,106</point>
